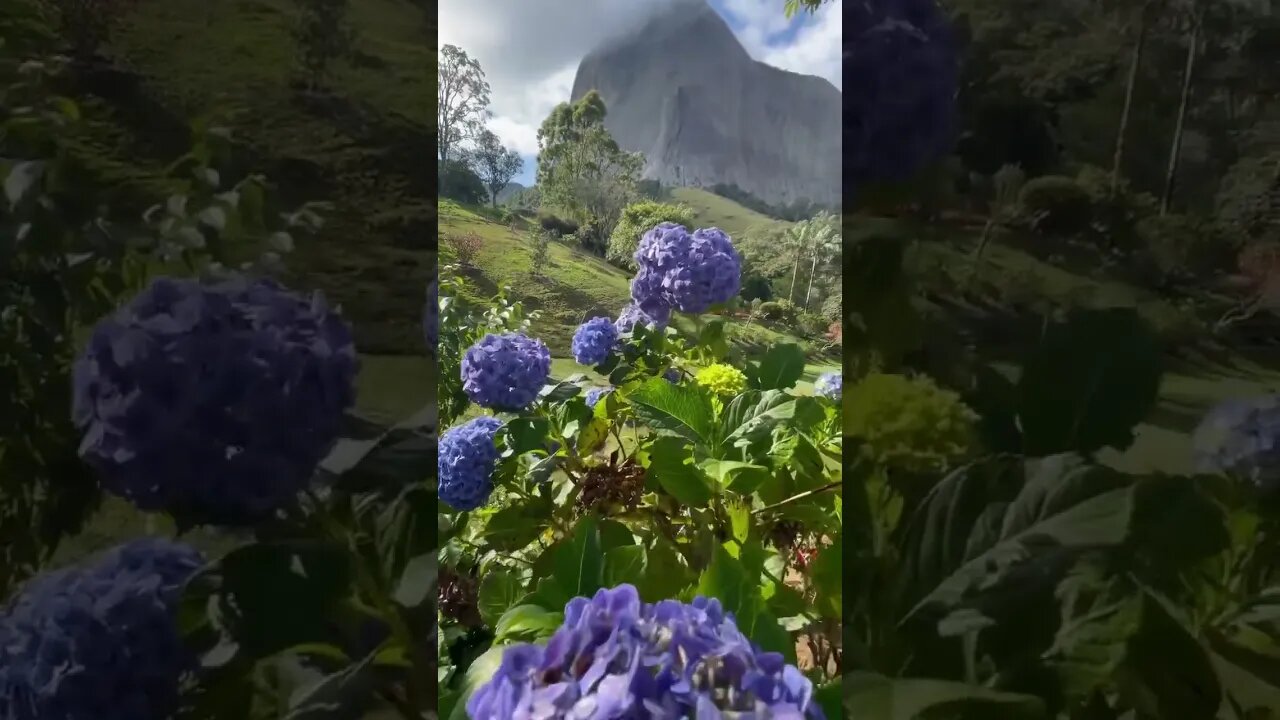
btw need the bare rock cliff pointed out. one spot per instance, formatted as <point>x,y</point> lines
<point>684,92</point>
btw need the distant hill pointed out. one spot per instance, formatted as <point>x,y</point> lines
<point>512,189</point>
<point>684,92</point>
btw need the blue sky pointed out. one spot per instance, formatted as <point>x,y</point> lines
<point>530,50</point>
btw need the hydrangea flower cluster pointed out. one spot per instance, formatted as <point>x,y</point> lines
<point>99,642</point>
<point>899,107</point>
<point>1241,437</point>
<point>721,379</point>
<point>615,657</point>
<point>632,315</point>
<point>593,341</point>
<point>689,273</point>
<point>213,400</point>
<point>431,316</point>
<point>505,372</point>
<point>829,385</point>
<point>594,394</point>
<point>465,461</point>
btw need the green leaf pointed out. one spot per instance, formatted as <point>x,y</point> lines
<point>340,695</point>
<point>579,565</point>
<point>829,698</point>
<point>560,392</point>
<point>526,623</point>
<point>827,577</point>
<point>752,415</point>
<point>1089,383</point>
<point>418,582</point>
<point>591,435</point>
<point>884,698</point>
<point>499,591</point>
<point>515,526</point>
<point>671,464</point>
<point>740,477</point>
<point>999,522</point>
<point>712,342</point>
<point>667,572</point>
<point>1170,666</point>
<point>726,580</point>
<point>270,596</point>
<point>625,565</point>
<point>521,435</point>
<point>681,409</point>
<point>481,670</point>
<point>779,369</point>
<point>403,529</point>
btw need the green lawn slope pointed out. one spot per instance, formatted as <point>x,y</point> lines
<point>576,285</point>
<point>711,210</point>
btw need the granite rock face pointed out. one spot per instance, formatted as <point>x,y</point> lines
<point>684,92</point>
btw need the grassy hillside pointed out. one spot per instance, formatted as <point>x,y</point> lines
<point>711,210</point>
<point>364,145</point>
<point>999,302</point>
<point>577,285</point>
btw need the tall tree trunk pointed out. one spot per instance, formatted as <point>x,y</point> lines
<point>1175,150</point>
<point>1130,86</point>
<point>812,272</point>
<point>795,272</point>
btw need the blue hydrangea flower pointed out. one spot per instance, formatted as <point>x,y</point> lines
<point>593,341</point>
<point>687,272</point>
<point>616,657</point>
<point>431,316</point>
<point>594,394</point>
<point>829,385</point>
<point>1241,437</point>
<point>632,315</point>
<point>99,642</point>
<point>213,400</point>
<point>901,59</point>
<point>505,372</point>
<point>466,456</point>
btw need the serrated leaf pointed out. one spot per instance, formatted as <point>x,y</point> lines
<point>499,591</point>
<point>681,409</point>
<point>579,564</point>
<point>671,464</point>
<point>876,696</point>
<point>780,368</point>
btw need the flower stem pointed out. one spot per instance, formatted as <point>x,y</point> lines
<point>799,496</point>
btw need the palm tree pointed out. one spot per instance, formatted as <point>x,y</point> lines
<point>826,245</point>
<point>800,237</point>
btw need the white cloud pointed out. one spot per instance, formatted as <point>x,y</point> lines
<point>530,49</point>
<point>814,49</point>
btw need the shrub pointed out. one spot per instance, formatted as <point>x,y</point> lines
<point>1055,205</point>
<point>1114,215</point>
<point>1174,246</point>
<point>86,24</point>
<point>541,242</point>
<point>909,424</point>
<point>771,310</point>
<point>810,325</point>
<point>557,225</point>
<point>756,287</point>
<point>465,246</point>
<point>323,35</point>
<point>637,219</point>
<point>458,182</point>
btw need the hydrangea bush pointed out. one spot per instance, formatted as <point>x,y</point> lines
<point>1014,554</point>
<point>624,534</point>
